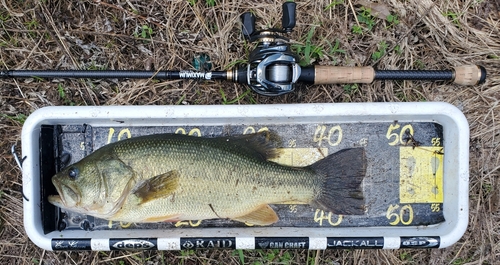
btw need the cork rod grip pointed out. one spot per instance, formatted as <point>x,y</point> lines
<point>469,75</point>
<point>347,75</point>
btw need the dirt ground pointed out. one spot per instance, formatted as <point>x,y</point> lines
<point>130,34</point>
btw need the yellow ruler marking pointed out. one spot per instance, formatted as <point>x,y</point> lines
<point>421,174</point>
<point>300,157</point>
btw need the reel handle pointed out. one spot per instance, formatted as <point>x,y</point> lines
<point>466,75</point>
<point>288,20</point>
<point>247,24</point>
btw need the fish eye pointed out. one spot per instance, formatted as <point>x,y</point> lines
<point>73,173</point>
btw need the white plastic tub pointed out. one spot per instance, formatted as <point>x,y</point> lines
<point>376,126</point>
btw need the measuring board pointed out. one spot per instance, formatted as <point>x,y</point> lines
<point>412,190</point>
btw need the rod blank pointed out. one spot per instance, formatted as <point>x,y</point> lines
<point>109,74</point>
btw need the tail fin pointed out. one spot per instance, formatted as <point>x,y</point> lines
<point>341,192</point>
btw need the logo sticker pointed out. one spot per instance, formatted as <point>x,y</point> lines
<point>132,244</point>
<point>282,242</point>
<point>199,243</point>
<point>355,242</point>
<point>420,242</point>
<point>71,244</point>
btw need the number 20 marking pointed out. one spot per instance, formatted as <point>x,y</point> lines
<point>190,223</point>
<point>192,132</point>
<point>250,130</point>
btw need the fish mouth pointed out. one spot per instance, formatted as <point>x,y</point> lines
<point>68,197</point>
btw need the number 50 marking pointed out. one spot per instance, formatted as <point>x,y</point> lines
<point>398,138</point>
<point>404,216</point>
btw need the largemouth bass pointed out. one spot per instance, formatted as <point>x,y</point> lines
<point>171,177</point>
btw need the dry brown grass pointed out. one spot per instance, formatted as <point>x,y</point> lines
<point>107,34</point>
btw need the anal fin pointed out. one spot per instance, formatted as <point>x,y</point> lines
<point>264,215</point>
<point>166,218</point>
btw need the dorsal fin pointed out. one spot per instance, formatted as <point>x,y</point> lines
<point>259,145</point>
<point>256,145</point>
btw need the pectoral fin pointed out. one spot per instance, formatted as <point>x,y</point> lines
<point>158,187</point>
<point>264,215</point>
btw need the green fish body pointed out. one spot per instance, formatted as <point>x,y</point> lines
<point>171,177</point>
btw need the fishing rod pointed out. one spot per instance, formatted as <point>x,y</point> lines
<point>273,69</point>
